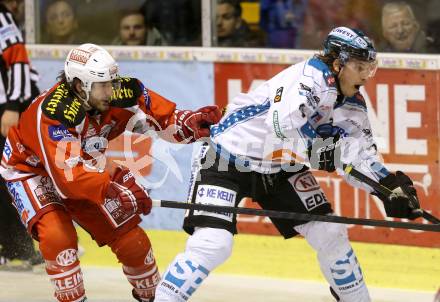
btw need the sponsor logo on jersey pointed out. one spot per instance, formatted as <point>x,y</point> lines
<point>59,93</point>
<point>316,117</point>
<point>278,95</point>
<point>312,99</point>
<point>304,87</point>
<point>17,192</point>
<point>80,56</point>
<point>347,273</point>
<point>32,160</point>
<point>7,150</point>
<point>184,277</point>
<point>57,133</point>
<point>68,284</point>
<point>94,144</point>
<point>18,202</point>
<point>276,126</point>
<point>148,284</point>
<point>20,147</point>
<point>149,259</point>
<point>314,201</point>
<point>71,110</point>
<point>67,257</point>
<point>305,182</point>
<point>45,191</point>
<point>122,93</point>
<point>147,97</point>
<point>329,78</point>
<point>215,195</point>
<point>308,190</point>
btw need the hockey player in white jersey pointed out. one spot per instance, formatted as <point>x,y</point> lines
<point>314,110</point>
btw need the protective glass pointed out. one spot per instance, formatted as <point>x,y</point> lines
<point>365,69</point>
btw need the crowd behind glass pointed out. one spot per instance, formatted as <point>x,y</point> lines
<point>395,26</point>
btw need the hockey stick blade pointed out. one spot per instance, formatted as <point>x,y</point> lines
<point>295,215</point>
<point>350,170</point>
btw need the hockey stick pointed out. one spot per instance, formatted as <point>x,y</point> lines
<point>348,169</point>
<point>294,215</point>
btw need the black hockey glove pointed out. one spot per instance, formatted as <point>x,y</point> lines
<point>325,153</point>
<point>403,202</point>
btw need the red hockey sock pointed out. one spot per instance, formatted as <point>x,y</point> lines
<point>133,250</point>
<point>59,247</point>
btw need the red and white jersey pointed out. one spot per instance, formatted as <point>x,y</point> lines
<point>274,123</point>
<point>56,137</point>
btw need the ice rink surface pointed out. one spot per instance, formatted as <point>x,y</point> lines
<point>110,285</point>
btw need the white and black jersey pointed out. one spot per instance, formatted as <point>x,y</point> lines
<point>258,148</point>
<point>15,84</point>
<point>273,124</point>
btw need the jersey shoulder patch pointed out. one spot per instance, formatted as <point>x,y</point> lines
<point>63,106</point>
<point>329,78</point>
<point>127,95</point>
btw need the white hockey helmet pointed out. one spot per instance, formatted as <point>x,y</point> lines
<point>90,63</point>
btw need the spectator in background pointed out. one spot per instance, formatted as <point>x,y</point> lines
<point>364,15</point>
<point>232,30</point>
<point>133,30</point>
<point>401,30</point>
<point>433,36</point>
<point>433,29</point>
<point>282,20</point>
<point>179,21</point>
<point>61,24</point>
<point>321,16</point>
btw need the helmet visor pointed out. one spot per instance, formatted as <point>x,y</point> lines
<point>366,69</point>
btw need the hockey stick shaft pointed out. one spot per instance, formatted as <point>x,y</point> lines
<point>381,189</point>
<point>294,215</point>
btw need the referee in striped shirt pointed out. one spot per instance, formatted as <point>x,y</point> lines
<point>17,88</point>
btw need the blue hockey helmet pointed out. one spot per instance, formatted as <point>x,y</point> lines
<point>349,43</point>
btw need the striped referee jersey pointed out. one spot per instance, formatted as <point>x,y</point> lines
<point>15,84</point>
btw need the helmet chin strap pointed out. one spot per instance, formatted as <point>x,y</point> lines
<point>85,101</point>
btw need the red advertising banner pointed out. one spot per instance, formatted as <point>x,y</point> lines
<point>404,112</point>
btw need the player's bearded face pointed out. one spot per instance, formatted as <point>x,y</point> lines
<point>100,95</point>
<point>354,74</point>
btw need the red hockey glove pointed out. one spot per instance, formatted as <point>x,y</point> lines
<point>192,125</point>
<point>132,197</point>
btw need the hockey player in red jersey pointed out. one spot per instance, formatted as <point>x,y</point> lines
<point>49,163</point>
